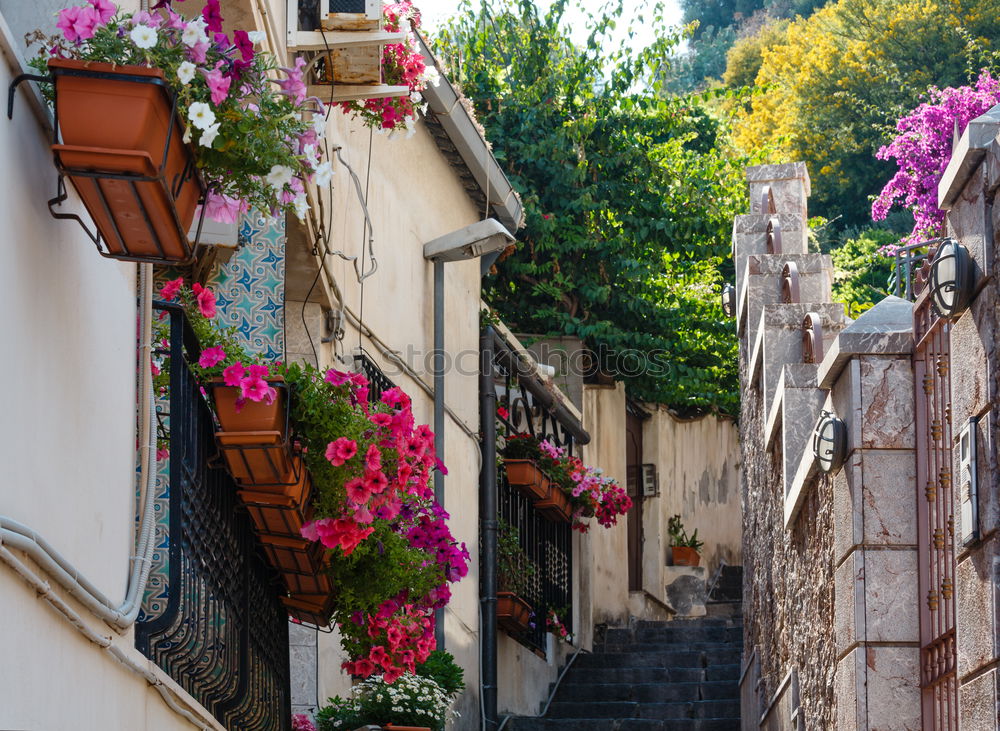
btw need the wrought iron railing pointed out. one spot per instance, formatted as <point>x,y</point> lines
<point>214,621</point>
<point>909,260</point>
<point>548,546</point>
<point>525,406</point>
<point>378,382</point>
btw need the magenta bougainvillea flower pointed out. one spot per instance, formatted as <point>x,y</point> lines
<point>922,151</point>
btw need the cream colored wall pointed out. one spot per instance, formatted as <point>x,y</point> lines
<point>698,462</point>
<point>68,436</point>
<point>604,551</point>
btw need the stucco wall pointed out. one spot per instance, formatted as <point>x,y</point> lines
<point>698,463</point>
<point>68,435</point>
<point>604,591</point>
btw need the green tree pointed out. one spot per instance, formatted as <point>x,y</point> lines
<point>862,273</point>
<point>834,83</point>
<point>629,197</point>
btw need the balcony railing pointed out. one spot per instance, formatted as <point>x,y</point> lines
<point>213,621</point>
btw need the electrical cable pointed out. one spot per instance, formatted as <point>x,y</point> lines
<point>364,230</point>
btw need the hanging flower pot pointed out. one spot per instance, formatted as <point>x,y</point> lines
<point>122,148</point>
<point>525,475</point>
<point>310,608</point>
<point>556,505</point>
<point>282,510</point>
<point>260,460</point>
<point>292,555</point>
<point>239,414</point>
<point>513,613</point>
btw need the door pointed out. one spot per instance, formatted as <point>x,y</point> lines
<point>633,464</point>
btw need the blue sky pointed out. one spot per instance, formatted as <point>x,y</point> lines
<point>434,11</point>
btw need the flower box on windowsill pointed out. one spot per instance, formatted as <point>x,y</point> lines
<point>315,609</point>
<point>122,148</point>
<point>513,613</point>
<point>250,416</point>
<point>527,478</point>
<point>555,506</point>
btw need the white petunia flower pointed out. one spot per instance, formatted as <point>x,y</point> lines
<point>257,36</point>
<point>411,126</point>
<point>301,206</point>
<point>311,154</point>
<point>201,115</point>
<point>194,33</point>
<point>143,36</point>
<point>185,72</point>
<point>209,135</point>
<point>431,76</point>
<point>319,125</point>
<point>279,177</point>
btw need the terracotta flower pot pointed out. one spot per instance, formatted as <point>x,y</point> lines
<point>685,556</point>
<point>293,555</point>
<point>260,460</point>
<point>556,506</point>
<point>255,416</point>
<point>513,613</point>
<point>116,121</point>
<point>283,510</point>
<point>310,608</point>
<point>394,727</point>
<point>525,475</point>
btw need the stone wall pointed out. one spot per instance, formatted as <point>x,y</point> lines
<point>829,558</point>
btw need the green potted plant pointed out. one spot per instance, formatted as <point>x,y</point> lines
<point>158,113</point>
<point>684,548</point>
<point>515,573</point>
<point>521,458</point>
<point>412,703</point>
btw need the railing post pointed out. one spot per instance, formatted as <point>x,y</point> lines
<point>488,530</point>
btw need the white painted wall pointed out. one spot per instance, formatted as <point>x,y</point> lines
<point>68,440</point>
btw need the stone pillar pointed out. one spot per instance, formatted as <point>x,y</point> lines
<point>876,609</point>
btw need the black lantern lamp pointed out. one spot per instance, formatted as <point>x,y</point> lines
<point>729,300</point>
<point>830,442</point>
<point>952,279</point>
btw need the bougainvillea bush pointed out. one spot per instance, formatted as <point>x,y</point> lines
<point>590,492</point>
<point>390,553</point>
<point>402,65</point>
<point>256,137</point>
<point>922,150</point>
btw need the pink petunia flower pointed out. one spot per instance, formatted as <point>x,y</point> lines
<point>218,84</point>
<point>224,208</point>
<point>357,492</point>
<point>198,52</point>
<point>375,481</point>
<point>103,9</point>
<point>77,23</point>
<point>212,16</point>
<point>336,378</point>
<point>211,357</point>
<point>169,290</point>
<point>232,375</point>
<point>373,458</point>
<point>340,450</point>
<point>206,300</point>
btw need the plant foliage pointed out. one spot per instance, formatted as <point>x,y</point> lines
<point>629,196</point>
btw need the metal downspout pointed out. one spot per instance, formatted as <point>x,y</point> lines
<point>439,634</point>
<point>488,529</point>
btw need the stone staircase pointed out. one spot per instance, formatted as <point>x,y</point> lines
<point>675,676</point>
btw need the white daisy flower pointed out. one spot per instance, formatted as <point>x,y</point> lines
<point>201,115</point>
<point>143,36</point>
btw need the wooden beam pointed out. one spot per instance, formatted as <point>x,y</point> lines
<point>352,92</point>
<point>314,40</point>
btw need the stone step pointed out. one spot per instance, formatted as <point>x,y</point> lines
<point>707,645</point>
<point>715,709</point>
<point>610,676</point>
<point>682,632</point>
<point>697,659</point>
<point>649,692</point>
<point>628,724</point>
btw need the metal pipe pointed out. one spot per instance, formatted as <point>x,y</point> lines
<point>439,634</point>
<point>488,529</point>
